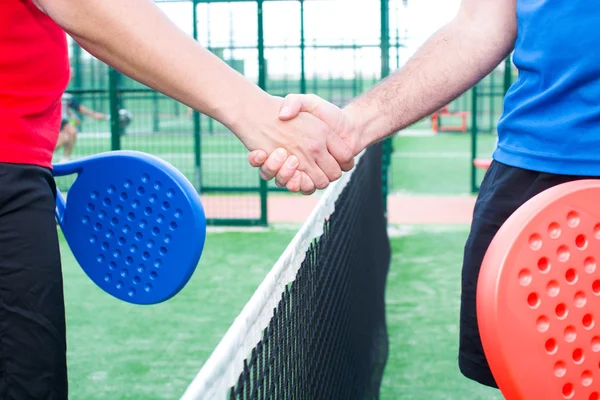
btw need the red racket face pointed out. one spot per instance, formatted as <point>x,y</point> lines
<point>538,297</point>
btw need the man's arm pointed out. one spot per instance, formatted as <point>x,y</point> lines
<point>455,58</point>
<point>91,113</point>
<point>149,48</point>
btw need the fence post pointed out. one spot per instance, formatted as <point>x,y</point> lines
<point>115,104</point>
<point>262,82</point>
<point>474,132</point>
<point>196,116</point>
<point>385,71</point>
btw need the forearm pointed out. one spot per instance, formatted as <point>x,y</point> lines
<point>452,61</point>
<point>149,48</point>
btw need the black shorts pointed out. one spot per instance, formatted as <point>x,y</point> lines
<point>503,190</point>
<point>32,314</point>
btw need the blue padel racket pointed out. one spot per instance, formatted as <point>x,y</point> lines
<point>134,223</point>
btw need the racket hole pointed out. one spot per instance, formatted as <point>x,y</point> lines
<point>124,273</point>
<point>560,369</point>
<point>131,216</point>
<point>112,265</point>
<point>580,299</point>
<point>525,277</point>
<point>157,263</point>
<point>160,219</point>
<point>135,204</point>
<point>578,356</point>
<point>146,255</point>
<point>111,189</point>
<point>596,344</point>
<point>153,275</point>
<point>563,254</point>
<point>145,178</point>
<point>100,259</point>
<point>117,253</point>
<point>544,265</point>
<point>148,211</point>
<point>133,248</point>
<point>551,346</point>
<point>533,300</point>
<point>123,196</point>
<point>119,285</point>
<point>589,265</point>
<point>568,390</point>
<point>143,223</point>
<point>122,241</point>
<point>101,215</point>
<point>106,202</point>
<point>554,230</point>
<point>85,220</point>
<point>118,210</point>
<point>129,260</point>
<point>105,246</point>
<point>170,193</point>
<point>588,321</point>
<point>168,239</point>
<point>150,244</point>
<point>98,227</point>
<point>93,239</point>
<point>570,334</point>
<point>542,324</point>
<point>155,231</point>
<point>535,242</point>
<point>137,280</point>
<point>596,287</point>
<point>573,219</point>
<point>153,198</point>
<point>163,251</point>
<point>173,226</point>
<point>178,213</point>
<point>141,268</point>
<point>131,292</point>
<point>114,222</point>
<point>166,205</point>
<point>139,236</point>
<point>94,195</point>
<point>141,191</point>
<point>553,288</point>
<point>561,311</point>
<point>107,277</point>
<point>127,184</point>
<point>571,276</point>
<point>157,185</point>
<point>581,242</point>
<point>90,207</point>
<point>126,229</point>
<point>110,234</point>
<point>148,287</point>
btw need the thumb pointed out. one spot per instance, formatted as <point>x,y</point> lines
<point>293,104</point>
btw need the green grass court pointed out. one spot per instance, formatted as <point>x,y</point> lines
<point>119,351</point>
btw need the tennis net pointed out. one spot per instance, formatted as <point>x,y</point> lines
<point>315,328</point>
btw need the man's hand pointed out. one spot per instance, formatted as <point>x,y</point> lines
<point>294,106</point>
<point>312,152</point>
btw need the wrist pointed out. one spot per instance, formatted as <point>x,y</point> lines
<point>250,115</point>
<point>365,125</point>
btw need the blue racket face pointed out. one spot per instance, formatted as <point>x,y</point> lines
<point>135,225</point>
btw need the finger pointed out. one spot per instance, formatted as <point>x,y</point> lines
<point>257,158</point>
<point>307,187</point>
<point>287,171</point>
<point>340,152</point>
<point>273,164</point>
<point>295,182</point>
<point>291,107</point>
<point>330,168</point>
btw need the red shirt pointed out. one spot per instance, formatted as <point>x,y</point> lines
<point>34,73</point>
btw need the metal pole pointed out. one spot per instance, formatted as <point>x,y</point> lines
<point>196,115</point>
<point>262,82</point>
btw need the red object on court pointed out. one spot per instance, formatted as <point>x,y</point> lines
<point>538,297</point>
<point>483,163</point>
<point>445,112</point>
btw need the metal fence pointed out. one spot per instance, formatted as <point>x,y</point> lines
<point>276,44</point>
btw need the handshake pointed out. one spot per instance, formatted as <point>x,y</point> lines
<point>307,146</point>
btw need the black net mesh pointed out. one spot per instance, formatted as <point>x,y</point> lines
<point>327,338</point>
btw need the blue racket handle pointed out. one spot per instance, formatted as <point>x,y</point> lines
<point>61,205</point>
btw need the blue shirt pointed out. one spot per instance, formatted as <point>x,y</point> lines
<point>551,121</point>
